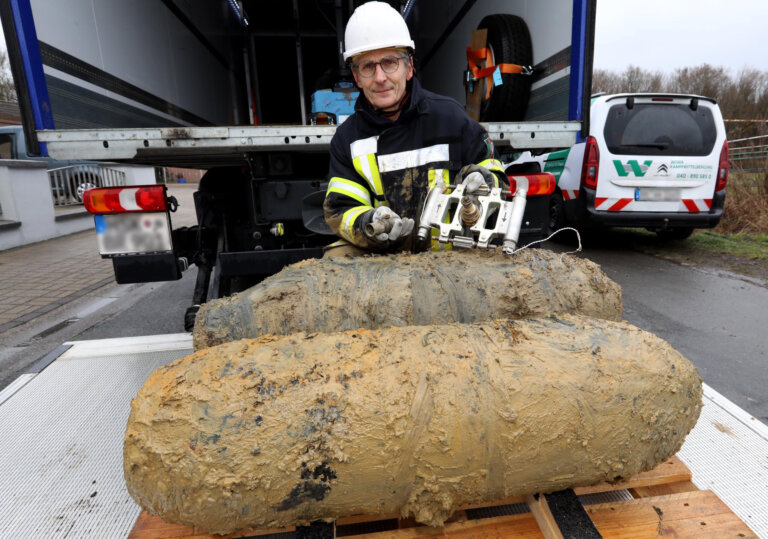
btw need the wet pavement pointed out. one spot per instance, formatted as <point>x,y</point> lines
<point>37,279</point>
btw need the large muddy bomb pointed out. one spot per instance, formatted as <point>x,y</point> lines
<point>414,420</point>
<point>372,292</point>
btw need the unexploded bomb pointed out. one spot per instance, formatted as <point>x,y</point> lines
<point>372,292</point>
<point>412,420</point>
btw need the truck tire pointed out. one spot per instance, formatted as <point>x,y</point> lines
<point>509,42</point>
<point>418,420</point>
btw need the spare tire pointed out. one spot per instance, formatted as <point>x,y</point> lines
<point>509,42</point>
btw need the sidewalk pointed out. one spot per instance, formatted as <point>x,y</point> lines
<point>36,279</point>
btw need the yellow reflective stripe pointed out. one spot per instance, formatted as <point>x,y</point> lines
<point>348,221</point>
<point>492,164</point>
<point>362,166</point>
<point>366,166</point>
<point>436,245</point>
<point>433,174</point>
<point>358,164</point>
<point>350,189</point>
<point>375,176</point>
<point>495,165</point>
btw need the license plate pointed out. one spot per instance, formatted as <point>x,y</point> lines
<point>131,233</point>
<point>657,194</point>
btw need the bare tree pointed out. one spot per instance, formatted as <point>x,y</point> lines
<point>605,81</point>
<point>7,88</point>
<point>633,79</point>
<point>706,80</point>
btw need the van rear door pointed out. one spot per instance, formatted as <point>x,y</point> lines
<point>658,153</point>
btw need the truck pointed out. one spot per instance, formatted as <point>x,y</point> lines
<point>252,93</point>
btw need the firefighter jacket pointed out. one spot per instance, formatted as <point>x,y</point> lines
<point>375,162</point>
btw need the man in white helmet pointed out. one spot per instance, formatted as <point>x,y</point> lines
<point>400,141</point>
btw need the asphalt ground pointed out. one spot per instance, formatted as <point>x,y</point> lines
<point>40,278</point>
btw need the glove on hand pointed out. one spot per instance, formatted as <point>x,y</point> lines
<point>473,177</point>
<point>394,227</point>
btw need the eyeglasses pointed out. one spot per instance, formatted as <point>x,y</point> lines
<point>389,64</point>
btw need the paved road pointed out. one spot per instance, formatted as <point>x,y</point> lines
<point>52,291</point>
<point>716,319</point>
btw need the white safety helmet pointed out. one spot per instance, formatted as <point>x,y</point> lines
<point>373,26</point>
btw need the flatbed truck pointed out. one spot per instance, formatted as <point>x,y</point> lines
<point>252,92</point>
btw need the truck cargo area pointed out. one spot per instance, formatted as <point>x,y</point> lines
<point>252,92</point>
<point>251,63</point>
<point>61,457</point>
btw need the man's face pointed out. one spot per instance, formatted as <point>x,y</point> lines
<point>384,91</point>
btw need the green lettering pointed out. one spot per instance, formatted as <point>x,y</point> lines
<point>636,168</point>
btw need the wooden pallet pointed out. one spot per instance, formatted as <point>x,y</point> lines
<point>665,503</point>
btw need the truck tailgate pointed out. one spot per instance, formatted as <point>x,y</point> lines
<point>199,147</point>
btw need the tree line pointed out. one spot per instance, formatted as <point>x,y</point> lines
<point>742,97</point>
<point>7,89</point>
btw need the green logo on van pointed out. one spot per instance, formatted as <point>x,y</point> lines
<point>632,166</point>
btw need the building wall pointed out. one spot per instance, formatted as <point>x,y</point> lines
<point>9,113</point>
<point>27,213</point>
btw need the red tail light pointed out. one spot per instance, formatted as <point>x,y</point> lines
<point>125,199</point>
<point>538,184</point>
<point>591,165</point>
<point>722,168</point>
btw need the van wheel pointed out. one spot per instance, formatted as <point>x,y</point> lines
<point>677,233</point>
<point>509,42</point>
<point>556,211</point>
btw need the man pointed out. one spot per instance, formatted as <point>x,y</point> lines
<point>398,144</point>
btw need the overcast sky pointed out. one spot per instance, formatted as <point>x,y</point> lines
<point>668,34</point>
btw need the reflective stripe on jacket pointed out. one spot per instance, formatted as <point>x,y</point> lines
<point>375,161</point>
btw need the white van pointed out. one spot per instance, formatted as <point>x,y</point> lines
<point>658,161</point>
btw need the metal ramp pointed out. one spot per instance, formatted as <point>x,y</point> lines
<point>727,452</point>
<point>61,440</point>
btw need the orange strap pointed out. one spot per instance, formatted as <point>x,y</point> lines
<point>475,55</point>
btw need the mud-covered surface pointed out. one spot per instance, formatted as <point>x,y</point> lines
<point>414,420</point>
<point>337,294</point>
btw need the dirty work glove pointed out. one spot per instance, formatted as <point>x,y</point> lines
<point>473,177</point>
<point>386,225</point>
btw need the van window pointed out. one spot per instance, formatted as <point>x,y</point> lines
<point>660,129</point>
